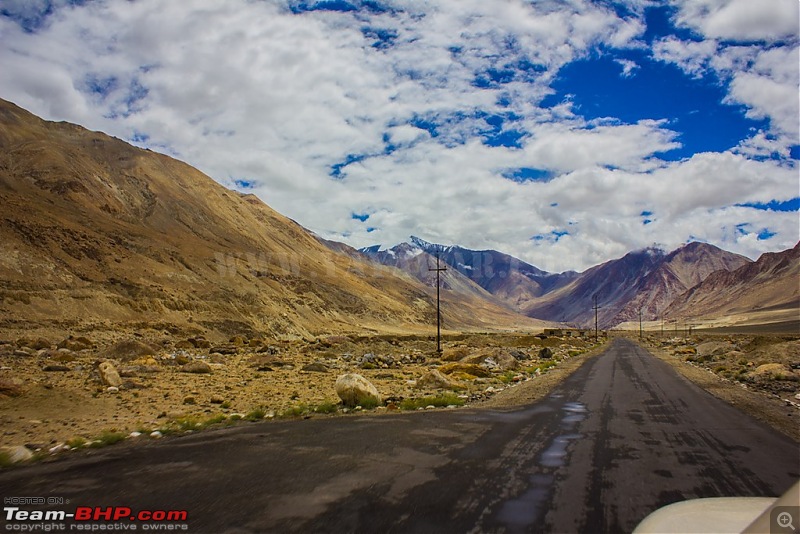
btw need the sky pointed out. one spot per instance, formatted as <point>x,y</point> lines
<point>566,133</point>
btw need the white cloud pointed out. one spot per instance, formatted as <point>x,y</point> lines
<point>740,20</point>
<point>400,102</point>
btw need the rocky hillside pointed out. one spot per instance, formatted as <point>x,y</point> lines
<point>764,291</point>
<point>96,233</point>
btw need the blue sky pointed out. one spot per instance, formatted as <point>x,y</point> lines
<point>564,133</point>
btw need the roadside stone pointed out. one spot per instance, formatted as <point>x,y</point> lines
<point>196,368</point>
<point>156,434</point>
<point>355,390</point>
<point>466,368</point>
<point>434,379</point>
<point>109,374</point>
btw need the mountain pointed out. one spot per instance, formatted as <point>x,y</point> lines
<point>510,280</point>
<point>680,270</point>
<point>95,233</point>
<point>764,291</point>
<point>647,280</point>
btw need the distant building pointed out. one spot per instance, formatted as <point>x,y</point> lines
<point>567,332</point>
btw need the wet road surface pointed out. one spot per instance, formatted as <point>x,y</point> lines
<point>622,436</point>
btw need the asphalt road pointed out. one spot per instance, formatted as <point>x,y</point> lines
<point>622,436</point>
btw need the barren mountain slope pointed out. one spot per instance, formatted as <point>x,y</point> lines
<point>681,269</point>
<point>95,232</point>
<point>646,280</point>
<point>767,290</point>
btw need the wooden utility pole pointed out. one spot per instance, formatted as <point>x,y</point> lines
<point>438,270</point>
<point>640,324</point>
<point>595,308</point>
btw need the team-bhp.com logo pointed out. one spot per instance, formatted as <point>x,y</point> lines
<point>87,518</point>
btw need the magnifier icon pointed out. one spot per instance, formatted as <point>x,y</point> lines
<point>785,520</point>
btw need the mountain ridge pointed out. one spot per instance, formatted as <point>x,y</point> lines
<point>98,232</point>
<point>645,280</point>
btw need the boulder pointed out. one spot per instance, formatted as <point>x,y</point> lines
<point>109,374</point>
<point>465,368</point>
<point>546,353</point>
<point>196,368</point>
<point>436,380</point>
<point>507,362</point>
<point>129,350</point>
<point>315,367</point>
<point>355,390</point>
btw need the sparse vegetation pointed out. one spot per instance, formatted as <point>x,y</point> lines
<point>439,401</point>
<point>108,437</point>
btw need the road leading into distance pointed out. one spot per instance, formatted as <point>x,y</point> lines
<point>622,436</point>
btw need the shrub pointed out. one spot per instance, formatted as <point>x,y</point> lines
<point>327,407</point>
<point>108,437</point>
<point>256,415</point>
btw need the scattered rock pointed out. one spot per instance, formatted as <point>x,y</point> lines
<point>62,355</point>
<point>465,368</point>
<point>216,399</point>
<point>55,368</point>
<point>546,353</point>
<point>196,367</point>
<point>315,367</point>
<point>355,390</point>
<point>35,344</point>
<point>11,387</point>
<point>225,349</point>
<point>75,344</point>
<point>436,380</point>
<point>156,434</point>
<point>129,350</point>
<point>112,389</point>
<point>507,362</point>
<point>109,374</point>
<point>199,342</point>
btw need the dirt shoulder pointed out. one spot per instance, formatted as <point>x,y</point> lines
<point>537,388</point>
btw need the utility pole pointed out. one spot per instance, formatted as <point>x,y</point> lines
<point>640,324</point>
<point>595,308</point>
<point>438,270</point>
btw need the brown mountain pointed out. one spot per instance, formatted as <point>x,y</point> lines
<point>765,291</point>
<point>97,233</point>
<point>646,280</point>
<point>680,270</point>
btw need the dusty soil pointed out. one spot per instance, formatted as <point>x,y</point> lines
<point>52,395</point>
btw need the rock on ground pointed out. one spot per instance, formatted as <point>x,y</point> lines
<point>355,390</point>
<point>109,374</point>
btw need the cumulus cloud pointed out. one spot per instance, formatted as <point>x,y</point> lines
<point>424,117</point>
